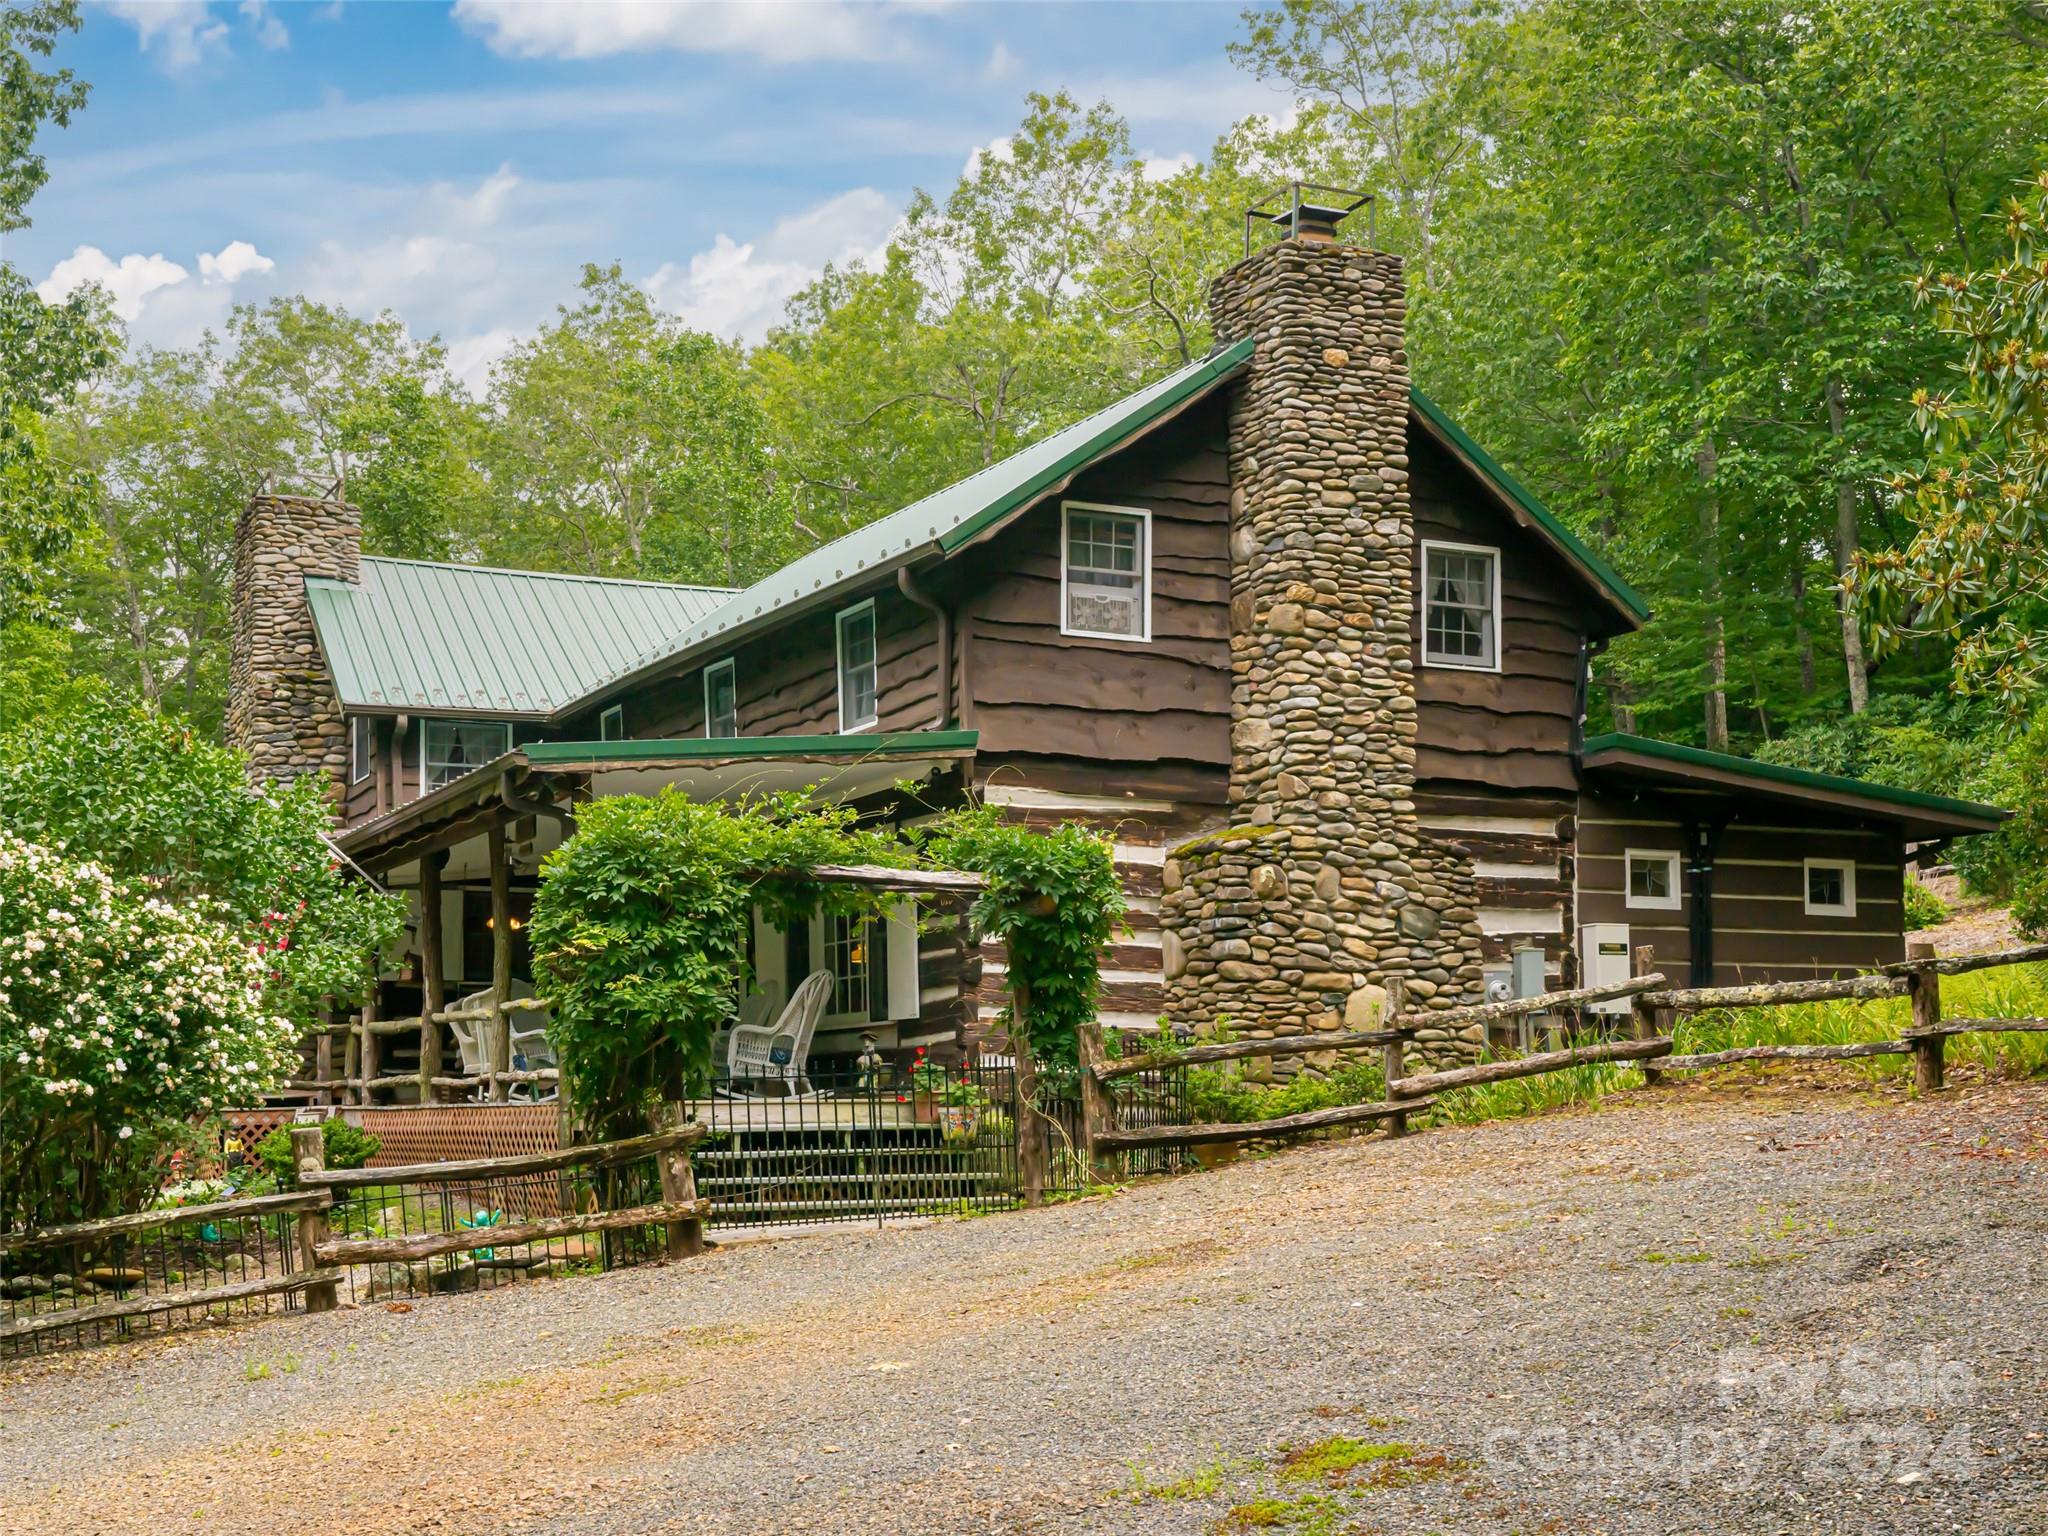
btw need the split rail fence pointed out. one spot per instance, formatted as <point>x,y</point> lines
<point>1654,1012</point>
<point>379,1232</point>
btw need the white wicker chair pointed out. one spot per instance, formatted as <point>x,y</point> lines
<point>750,1057</point>
<point>529,1045</point>
<point>756,1010</point>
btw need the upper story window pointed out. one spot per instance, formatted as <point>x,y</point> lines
<point>1461,606</point>
<point>1105,571</point>
<point>1831,887</point>
<point>611,725</point>
<point>360,747</point>
<point>722,699</point>
<point>1652,879</point>
<point>451,748</point>
<point>857,691</point>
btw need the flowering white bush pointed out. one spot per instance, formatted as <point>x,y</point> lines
<point>121,1016</point>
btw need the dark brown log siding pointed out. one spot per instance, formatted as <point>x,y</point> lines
<point>1161,706</point>
<point>1522,849</point>
<point>1510,730</point>
<point>1762,930</point>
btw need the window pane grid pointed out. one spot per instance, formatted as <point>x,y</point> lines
<point>1105,573</point>
<point>846,952</point>
<point>857,668</point>
<point>721,701</point>
<point>454,747</point>
<point>1458,599</point>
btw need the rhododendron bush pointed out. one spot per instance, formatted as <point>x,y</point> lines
<point>122,1016</point>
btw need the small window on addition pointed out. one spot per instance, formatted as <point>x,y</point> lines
<point>1653,879</point>
<point>451,748</point>
<point>1831,887</point>
<point>1105,572</point>
<point>721,700</point>
<point>611,725</point>
<point>359,740</point>
<point>857,674</point>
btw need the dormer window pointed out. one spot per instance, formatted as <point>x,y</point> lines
<point>451,748</point>
<point>1461,606</point>
<point>611,725</point>
<point>1105,571</point>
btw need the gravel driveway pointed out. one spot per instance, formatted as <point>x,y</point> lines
<point>1783,1307</point>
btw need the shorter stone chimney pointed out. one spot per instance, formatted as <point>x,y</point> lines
<point>282,708</point>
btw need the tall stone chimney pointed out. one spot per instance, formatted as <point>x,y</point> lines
<point>282,708</point>
<point>1292,918</point>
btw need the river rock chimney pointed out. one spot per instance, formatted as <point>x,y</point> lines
<point>1292,918</point>
<point>282,709</point>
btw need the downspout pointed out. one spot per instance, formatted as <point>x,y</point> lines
<point>1700,841</point>
<point>1582,688</point>
<point>907,585</point>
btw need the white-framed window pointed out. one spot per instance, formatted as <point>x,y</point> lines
<point>360,743</point>
<point>451,748</point>
<point>1652,879</point>
<point>1460,606</point>
<point>857,695</point>
<point>849,956</point>
<point>611,725</point>
<point>1105,571</point>
<point>1831,887</point>
<point>722,699</point>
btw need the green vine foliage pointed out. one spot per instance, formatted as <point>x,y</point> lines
<point>640,926</point>
<point>1054,900</point>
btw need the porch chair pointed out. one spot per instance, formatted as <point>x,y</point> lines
<point>756,1009</point>
<point>530,1048</point>
<point>751,1055</point>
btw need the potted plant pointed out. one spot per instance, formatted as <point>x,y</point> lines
<point>927,1087</point>
<point>960,1113</point>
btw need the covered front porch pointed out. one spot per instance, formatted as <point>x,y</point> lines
<point>456,1019</point>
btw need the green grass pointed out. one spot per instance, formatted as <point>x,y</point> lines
<point>1312,1514</point>
<point>1337,1455</point>
<point>2011,992</point>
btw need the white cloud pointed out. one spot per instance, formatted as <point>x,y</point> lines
<point>1166,167</point>
<point>769,29</point>
<point>269,30</point>
<point>736,289</point>
<point>1002,63</point>
<point>235,261</point>
<point>130,281</point>
<point>997,148</point>
<point>470,358</point>
<point>178,34</point>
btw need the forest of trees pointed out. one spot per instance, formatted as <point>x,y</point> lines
<point>1680,266</point>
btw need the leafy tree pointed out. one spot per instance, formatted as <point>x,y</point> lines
<point>30,97</point>
<point>416,481</point>
<point>149,800</point>
<point>1976,569</point>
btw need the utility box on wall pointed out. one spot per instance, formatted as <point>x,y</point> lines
<point>1604,960</point>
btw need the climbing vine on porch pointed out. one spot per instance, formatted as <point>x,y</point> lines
<point>640,932</point>
<point>1054,900</point>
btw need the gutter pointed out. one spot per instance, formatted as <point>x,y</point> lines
<point>907,585</point>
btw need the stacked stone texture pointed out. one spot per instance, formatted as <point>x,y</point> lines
<point>1323,886</point>
<point>282,708</point>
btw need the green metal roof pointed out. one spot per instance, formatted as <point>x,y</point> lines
<point>946,520</point>
<point>1567,543</point>
<point>1615,744</point>
<point>410,635</point>
<point>889,743</point>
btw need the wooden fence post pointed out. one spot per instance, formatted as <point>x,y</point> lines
<point>1392,1064</point>
<point>1031,1139</point>
<point>1929,1049</point>
<point>1098,1112</point>
<point>679,1183</point>
<point>309,1155</point>
<point>1648,1022</point>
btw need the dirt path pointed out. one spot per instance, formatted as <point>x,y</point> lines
<point>1641,1319</point>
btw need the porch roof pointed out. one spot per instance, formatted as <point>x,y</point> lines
<point>716,768</point>
<point>1641,761</point>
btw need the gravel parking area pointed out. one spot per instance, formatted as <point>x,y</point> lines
<point>1790,1305</point>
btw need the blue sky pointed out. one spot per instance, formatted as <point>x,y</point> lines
<point>458,164</point>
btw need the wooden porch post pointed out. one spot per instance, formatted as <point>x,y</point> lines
<point>366,1041</point>
<point>1929,1049</point>
<point>432,985</point>
<point>500,1037</point>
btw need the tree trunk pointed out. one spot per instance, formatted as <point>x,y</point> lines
<point>1714,625</point>
<point>1847,541</point>
<point>1802,638</point>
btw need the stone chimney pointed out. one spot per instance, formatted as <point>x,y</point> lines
<point>1323,886</point>
<point>282,708</point>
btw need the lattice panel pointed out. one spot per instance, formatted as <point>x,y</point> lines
<point>439,1133</point>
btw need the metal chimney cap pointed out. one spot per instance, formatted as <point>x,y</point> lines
<point>1304,216</point>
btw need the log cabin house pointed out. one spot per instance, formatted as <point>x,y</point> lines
<point>1315,662</point>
